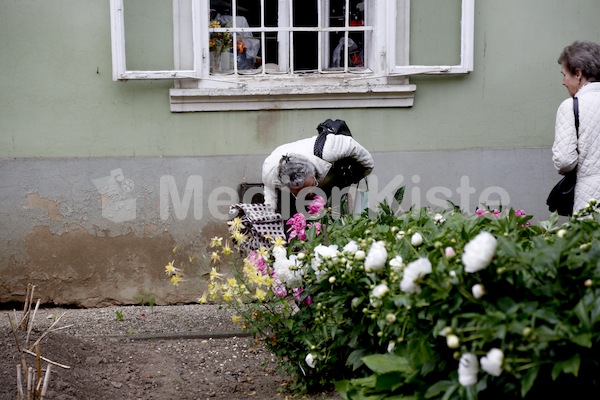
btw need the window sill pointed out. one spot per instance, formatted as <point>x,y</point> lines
<point>241,99</point>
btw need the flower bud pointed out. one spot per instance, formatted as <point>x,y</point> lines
<point>452,341</point>
<point>478,290</point>
<point>416,239</point>
<point>449,252</point>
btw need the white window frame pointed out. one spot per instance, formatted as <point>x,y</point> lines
<point>384,84</point>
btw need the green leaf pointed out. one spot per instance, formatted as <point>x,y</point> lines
<point>384,363</point>
<point>570,366</point>
<point>399,195</point>
<point>582,314</point>
<point>584,340</point>
<point>437,388</point>
<point>528,380</point>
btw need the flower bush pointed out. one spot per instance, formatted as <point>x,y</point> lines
<point>427,304</point>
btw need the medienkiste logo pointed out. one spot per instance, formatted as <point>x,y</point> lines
<point>118,204</point>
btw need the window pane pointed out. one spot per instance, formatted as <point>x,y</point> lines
<point>435,40</point>
<point>149,33</point>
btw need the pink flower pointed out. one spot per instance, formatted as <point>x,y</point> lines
<point>298,227</point>
<point>307,301</point>
<point>316,205</point>
<point>520,213</point>
<point>279,289</point>
<point>317,226</point>
<point>297,292</point>
<point>258,262</point>
<point>497,213</point>
<point>480,212</point>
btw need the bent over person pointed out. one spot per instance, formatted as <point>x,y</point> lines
<point>322,161</point>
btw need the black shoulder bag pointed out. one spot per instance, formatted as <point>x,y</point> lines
<point>562,196</point>
<point>347,170</point>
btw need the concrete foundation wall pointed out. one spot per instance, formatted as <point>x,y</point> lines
<point>93,232</point>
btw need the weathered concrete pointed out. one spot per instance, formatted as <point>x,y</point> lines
<point>96,232</point>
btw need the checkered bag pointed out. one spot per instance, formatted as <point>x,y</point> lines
<point>261,225</point>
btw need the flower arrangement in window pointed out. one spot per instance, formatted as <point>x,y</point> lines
<point>219,42</point>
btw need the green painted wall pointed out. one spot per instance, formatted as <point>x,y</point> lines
<point>57,98</point>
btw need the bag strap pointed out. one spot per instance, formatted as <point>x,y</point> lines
<point>576,113</point>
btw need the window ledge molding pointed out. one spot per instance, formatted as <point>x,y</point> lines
<point>241,99</point>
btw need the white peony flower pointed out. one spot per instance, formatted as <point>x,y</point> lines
<point>478,290</point>
<point>380,290</point>
<point>322,252</point>
<point>279,251</point>
<point>416,239</point>
<point>390,318</point>
<point>351,247</point>
<point>396,263</point>
<point>400,235</point>
<point>468,368</point>
<point>310,360</point>
<point>492,362</point>
<point>289,271</point>
<point>479,252</point>
<point>376,258</point>
<point>438,219</point>
<point>412,272</point>
<point>449,252</point>
<point>360,255</point>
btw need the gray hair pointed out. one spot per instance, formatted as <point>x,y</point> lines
<point>583,55</point>
<point>294,169</point>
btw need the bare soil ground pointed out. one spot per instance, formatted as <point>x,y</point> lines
<point>169,352</point>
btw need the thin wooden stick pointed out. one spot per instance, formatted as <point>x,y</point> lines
<point>38,359</point>
<point>31,322</point>
<point>47,360</point>
<point>14,328</point>
<point>26,304</point>
<point>29,382</point>
<point>20,393</point>
<point>47,331</point>
<point>46,380</point>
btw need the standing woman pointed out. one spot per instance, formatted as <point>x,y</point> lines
<point>580,67</point>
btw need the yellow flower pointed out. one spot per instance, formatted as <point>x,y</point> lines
<point>232,282</point>
<point>236,319</point>
<point>262,252</point>
<point>202,299</point>
<point>175,279</point>
<point>170,269</point>
<point>227,296</point>
<point>216,241</point>
<point>226,249</point>
<point>214,257</point>
<point>260,295</point>
<point>214,274</point>
<point>279,241</point>
<point>235,225</point>
<point>238,237</point>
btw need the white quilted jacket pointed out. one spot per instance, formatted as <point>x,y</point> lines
<point>336,147</point>
<point>564,149</point>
